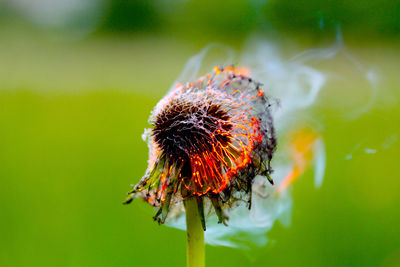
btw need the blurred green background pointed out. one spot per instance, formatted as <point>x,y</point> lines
<point>78,80</point>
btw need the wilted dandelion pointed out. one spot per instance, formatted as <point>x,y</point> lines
<point>210,139</point>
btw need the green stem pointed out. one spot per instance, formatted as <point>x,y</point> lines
<point>195,251</point>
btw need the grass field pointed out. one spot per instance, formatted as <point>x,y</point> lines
<point>71,119</point>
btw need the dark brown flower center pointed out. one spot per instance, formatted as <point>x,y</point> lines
<point>184,129</point>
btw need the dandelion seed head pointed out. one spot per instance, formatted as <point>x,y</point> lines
<point>210,138</point>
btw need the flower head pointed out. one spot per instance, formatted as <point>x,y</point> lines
<point>210,139</point>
